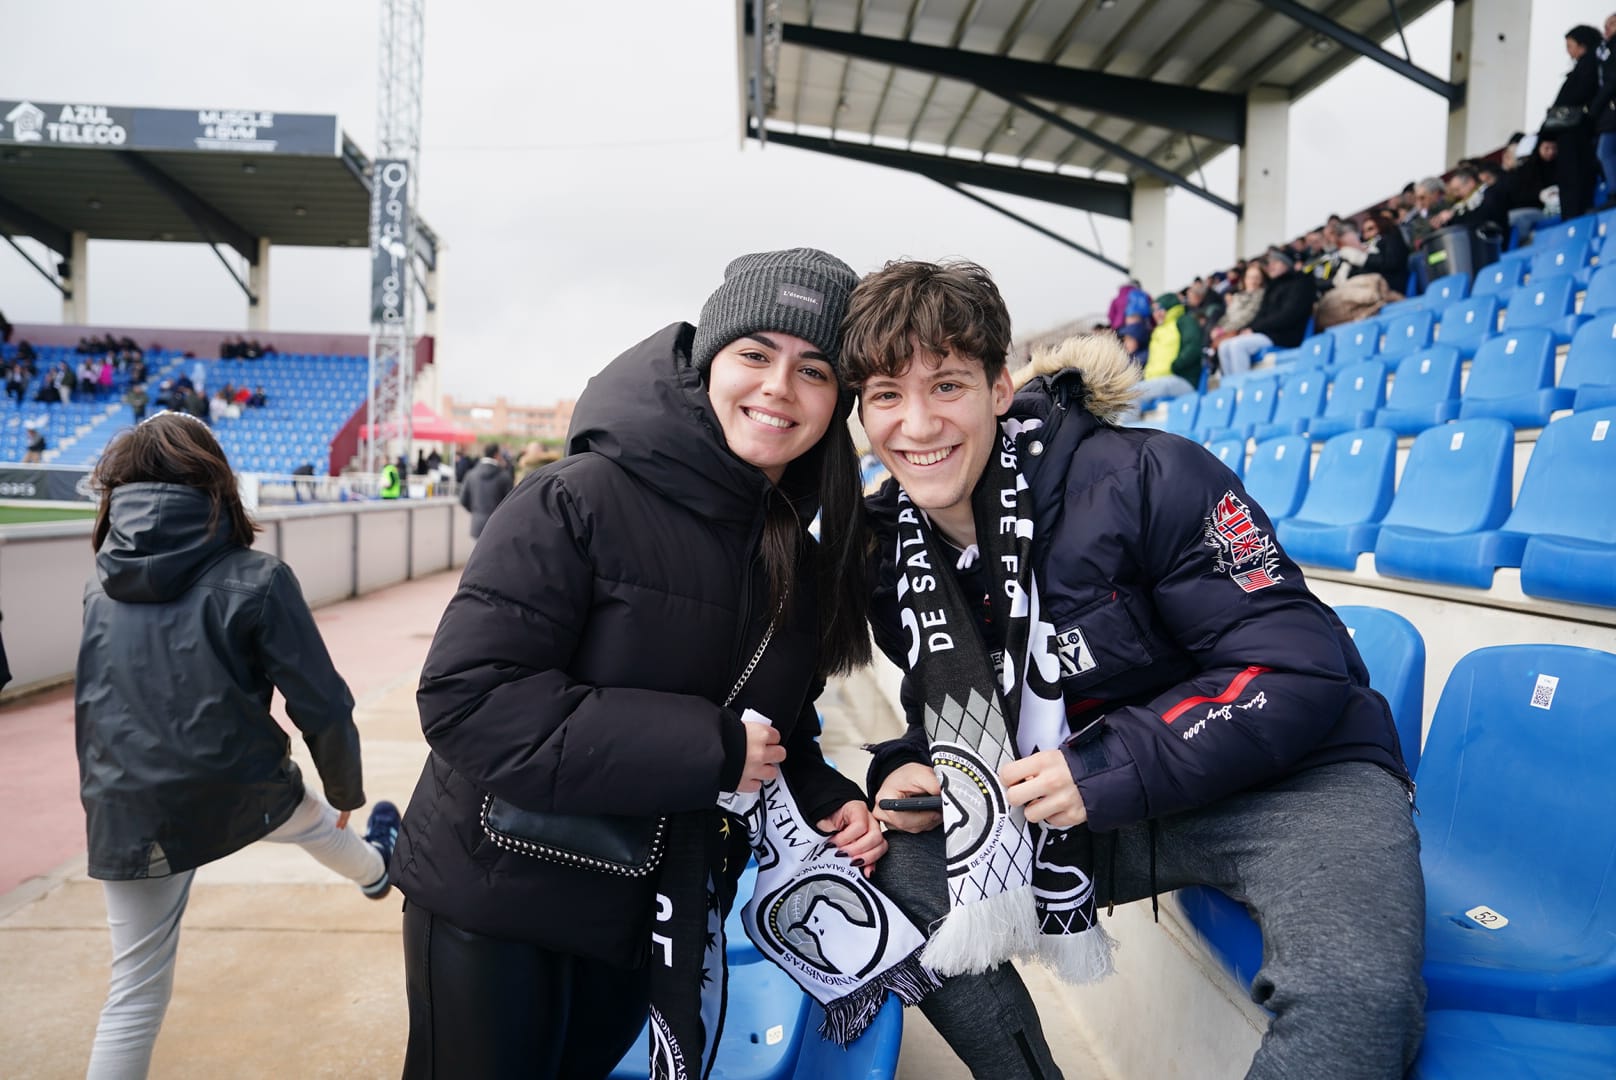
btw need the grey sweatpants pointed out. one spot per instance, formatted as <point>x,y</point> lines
<point>1328,863</point>
<point>144,918</point>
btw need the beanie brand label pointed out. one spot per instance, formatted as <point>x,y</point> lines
<point>801,297</point>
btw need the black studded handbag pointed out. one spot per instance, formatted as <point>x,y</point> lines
<point>625,845</point>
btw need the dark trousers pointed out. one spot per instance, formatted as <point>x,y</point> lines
<point>1576,169</point>
<point>1327,862</point>
<point>484,1008</point>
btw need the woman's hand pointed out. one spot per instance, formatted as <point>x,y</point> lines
<point>763,756</point>
<point>904,782</point>
<point>857,834</point>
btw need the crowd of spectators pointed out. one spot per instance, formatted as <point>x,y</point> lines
<point>239,348</point>
<point>1350,266</point>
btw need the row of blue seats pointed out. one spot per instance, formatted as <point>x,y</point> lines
<point>1450,519</point>
<point>1511,377</point>
<point>1520,927</point>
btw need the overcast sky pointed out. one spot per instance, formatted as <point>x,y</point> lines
<point>581,165</point>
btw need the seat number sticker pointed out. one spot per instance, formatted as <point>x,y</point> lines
<point>1487,918</point>
<point>1543,692</point>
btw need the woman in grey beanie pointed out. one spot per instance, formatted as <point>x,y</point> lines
<point>621,610</point>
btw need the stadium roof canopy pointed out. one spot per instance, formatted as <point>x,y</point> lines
<point>222,177</point>
<point>1062,100</point>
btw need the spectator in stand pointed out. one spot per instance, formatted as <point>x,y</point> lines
<point>26,354</point>
<point>85,379</point>
<point>36,443</point>
<point>1475,204</point>
<point>1577,165</point>
<point>485,488</point>
<point>1173,362</point>
<point>49,393</point>
<point>103,381</point>
<point>1135,340</point>
<point>1117,312</point>
<point>1351,298</point>
<point>240,398</point>
<point>66,383</point>
<point>1602,111</point>
<point>137,399</point>
<point>16,383</point>
<point>1380,250</point>
<point>258,399</point>
<point>218,407</point>
<point>1243,305</point>
<point>1430,197</point>
<point>1281,320</point>
<point>1206,305</point>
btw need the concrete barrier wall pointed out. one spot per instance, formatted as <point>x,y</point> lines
<point>337,551</point>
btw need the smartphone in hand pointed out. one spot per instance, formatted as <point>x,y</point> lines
<point>916,803</point>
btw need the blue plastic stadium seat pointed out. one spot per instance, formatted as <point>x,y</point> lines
<point>1425,392</point>
<point>1277,474</point>
<point>1468,323</point>
<point>1446,290</point>
<point>1571,554</point>
<point>1590,367</point>
<point>1566,256</point>
<point>1181,412</point>
<point>1351,491</point>
<point>1399,308</point>
<point>1232,452</point>
<point>1318,351</point>
<point>1466,1045</point>
<point>1358,390</point>
<point>1408,333</point>
<point>1549,302</point>
<point>1500,277</point>
<point>1394,653</point>
<point>1256,406</point>
<point>1601,294</point>
<point>1356,341</point>
<point>1560,233</point>
<point>1512,378</point>
<point>1454,497</point>
<point>771,1028</point>
<point>1217,408</point>
<point>1521,889</point>
<point>1301,397</point>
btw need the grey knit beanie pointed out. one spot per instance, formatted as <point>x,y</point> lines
<point>802,292</point>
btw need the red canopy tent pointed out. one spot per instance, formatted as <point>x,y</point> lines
<point>430,427</point>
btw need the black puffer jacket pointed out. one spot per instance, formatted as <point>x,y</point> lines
<point>186,636</point>
<point>603,616</point>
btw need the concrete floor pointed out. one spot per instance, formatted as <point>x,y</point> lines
<point>285,969</point>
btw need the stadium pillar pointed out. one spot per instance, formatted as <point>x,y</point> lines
<point>1490,39</point>
<point>76,304</point>
<point>1263,171</point>
<point>1149,255</point>
<point>258,287</point>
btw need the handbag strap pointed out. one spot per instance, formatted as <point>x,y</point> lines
<point>752,663</point>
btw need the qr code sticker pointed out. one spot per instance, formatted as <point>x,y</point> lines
<point>1543,692</point>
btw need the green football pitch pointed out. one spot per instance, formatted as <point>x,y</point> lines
<point>26,515</point>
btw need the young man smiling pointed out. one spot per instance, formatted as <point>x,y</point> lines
<point>1218,724</point>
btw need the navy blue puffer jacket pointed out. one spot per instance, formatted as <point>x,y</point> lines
<point>1182,622</point>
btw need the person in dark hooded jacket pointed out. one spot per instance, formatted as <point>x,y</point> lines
<point>1222,727</point>
<point>582,668</point>
<point>187,633</point>
<point>484,488</point>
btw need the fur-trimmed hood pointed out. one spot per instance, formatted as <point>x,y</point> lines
<point>1110,376</point>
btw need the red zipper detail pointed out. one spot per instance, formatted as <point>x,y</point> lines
<point>1234,690</point>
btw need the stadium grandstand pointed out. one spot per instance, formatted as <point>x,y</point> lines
<point>1431,439</point>
<point>242,182</point>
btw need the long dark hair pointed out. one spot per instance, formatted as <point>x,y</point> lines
<point>838,564</point>
<point>172,448</point>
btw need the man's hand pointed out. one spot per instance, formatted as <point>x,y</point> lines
<point>904,782</point>
<point>857,834</point>
<point>1043,784</point>
<point>342,820</point>
<point>763,756</point>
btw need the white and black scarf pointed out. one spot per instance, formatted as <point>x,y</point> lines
<point>812,913</point>
<point>1016,889</point>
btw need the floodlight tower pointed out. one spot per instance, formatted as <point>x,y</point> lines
<point>394,186</point>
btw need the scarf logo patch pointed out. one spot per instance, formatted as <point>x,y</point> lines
<point>826,922</point>
<point>1242,550</point>
<point>1075,656</point>
<point>974,809</point>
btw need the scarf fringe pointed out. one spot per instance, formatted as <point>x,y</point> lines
<point>1078,958</point>
<point>846,1018</point>
<point>979,936</point>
